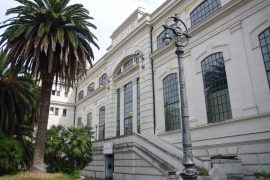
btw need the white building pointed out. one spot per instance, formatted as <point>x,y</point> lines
<point>134,103</point>
<point>62,106</point>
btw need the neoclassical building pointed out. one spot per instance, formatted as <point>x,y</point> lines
<point>131,96</point>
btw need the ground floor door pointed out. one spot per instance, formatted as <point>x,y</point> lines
<point>109,166</point>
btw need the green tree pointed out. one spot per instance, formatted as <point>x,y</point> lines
<point>52,40</point>
<point>68,150</point>
<point>18,97</point>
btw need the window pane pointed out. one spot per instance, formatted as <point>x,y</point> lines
<point>171,102</point>
<point>205,9</point>
<point>216,88</point>
<point>102,123</point>
<point>265,46</point>
<point>128,108</point>
<point>118,113</point>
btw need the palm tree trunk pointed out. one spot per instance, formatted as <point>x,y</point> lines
<point>47,82</point>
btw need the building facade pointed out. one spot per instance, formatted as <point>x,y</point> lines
<point>131,95</point>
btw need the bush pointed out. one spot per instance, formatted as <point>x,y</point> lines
<point>68,150</point>
<point>11,155</point>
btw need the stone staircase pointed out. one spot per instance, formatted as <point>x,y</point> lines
<point>161,159</point>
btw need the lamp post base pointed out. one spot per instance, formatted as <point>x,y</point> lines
<point>189,173</point>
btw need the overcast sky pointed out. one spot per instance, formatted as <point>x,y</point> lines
<point>107,14</point>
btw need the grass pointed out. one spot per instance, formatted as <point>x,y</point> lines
<point>39,176</point>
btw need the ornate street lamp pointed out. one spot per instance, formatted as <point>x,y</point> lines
<point>175,33</point>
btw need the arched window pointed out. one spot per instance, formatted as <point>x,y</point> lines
<point>264,38</point>
<point>91,88</point>
<point>79,122</point>
<point>171,102</point>
<point>102,123</point>
<point>216,88</point>
<point>89,120</point>
<point>203,10</point>
<point>128,108</point>
<point>128,64</point>
<point>80,95</point>
<point>160,37</point>
<point>103,79</point>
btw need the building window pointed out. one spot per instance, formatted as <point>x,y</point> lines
<point>91,88</point>
<point>64,112</point>
<point>203,10</point>
<point>89,119</point>
<point>103,79</point>
<point>127,65</point>
<point>53,92</point>
<point>128,108</point>
<point>102,123</point>
<point>138,107</point>
<point>216,89</point>
<point>66,94</point>
<point>57,93</point>
<point>171,102</point>
<point>118,112</point>
<point>161,36</point>
<point>51,110</point>
<point>56,111</point>
<point>79,122</point>
<point>264,38</point>
<point>80,95</point>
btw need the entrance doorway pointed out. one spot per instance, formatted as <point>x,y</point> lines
<point>109,166</point>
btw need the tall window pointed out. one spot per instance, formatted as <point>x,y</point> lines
<point>128,108</point>
<point>205,9</point>
<point>138,107</point>
<point>171,102</point>
<point>127,64</point>
<point>80,95</point>
<point>64,112</point>
<point>160,37</point>
<point>102,123</point>
<point>216,88</point>
<point>264,38</point>
<point>91,88</point>
<point>79,121</point>
<point>118,113</point>
<point>89,120</point>
<point>103,79</point>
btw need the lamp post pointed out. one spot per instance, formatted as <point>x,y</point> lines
<point>181,40</point>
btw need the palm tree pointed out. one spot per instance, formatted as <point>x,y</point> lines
<point>52,40</point>
<point>18,97</point>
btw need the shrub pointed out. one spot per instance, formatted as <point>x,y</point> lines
<point>10,155</point>
<point>68,150</point>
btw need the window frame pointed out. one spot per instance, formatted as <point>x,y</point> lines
<point>264,40</point>
<point>216,90</point>
<point>199,13</point>
<point>171,100</point>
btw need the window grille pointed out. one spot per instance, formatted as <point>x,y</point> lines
<point>203,10</point>
<point>216,89</point>
<point>171,102</point>
<point>128,108</point>
<point>264,38</point>
<point>102,123</point>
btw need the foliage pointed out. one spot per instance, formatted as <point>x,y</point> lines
<point>18,96</point>
<point>262,174</point>
<point>40,176</point>
<point>11,155</point>
<point>51,40</point>
<point>49,37</point>
<point>24,134</point>
<point>68,150</point>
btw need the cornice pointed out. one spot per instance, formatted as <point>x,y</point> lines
<point>132,17</point>
<point>53,102</point>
